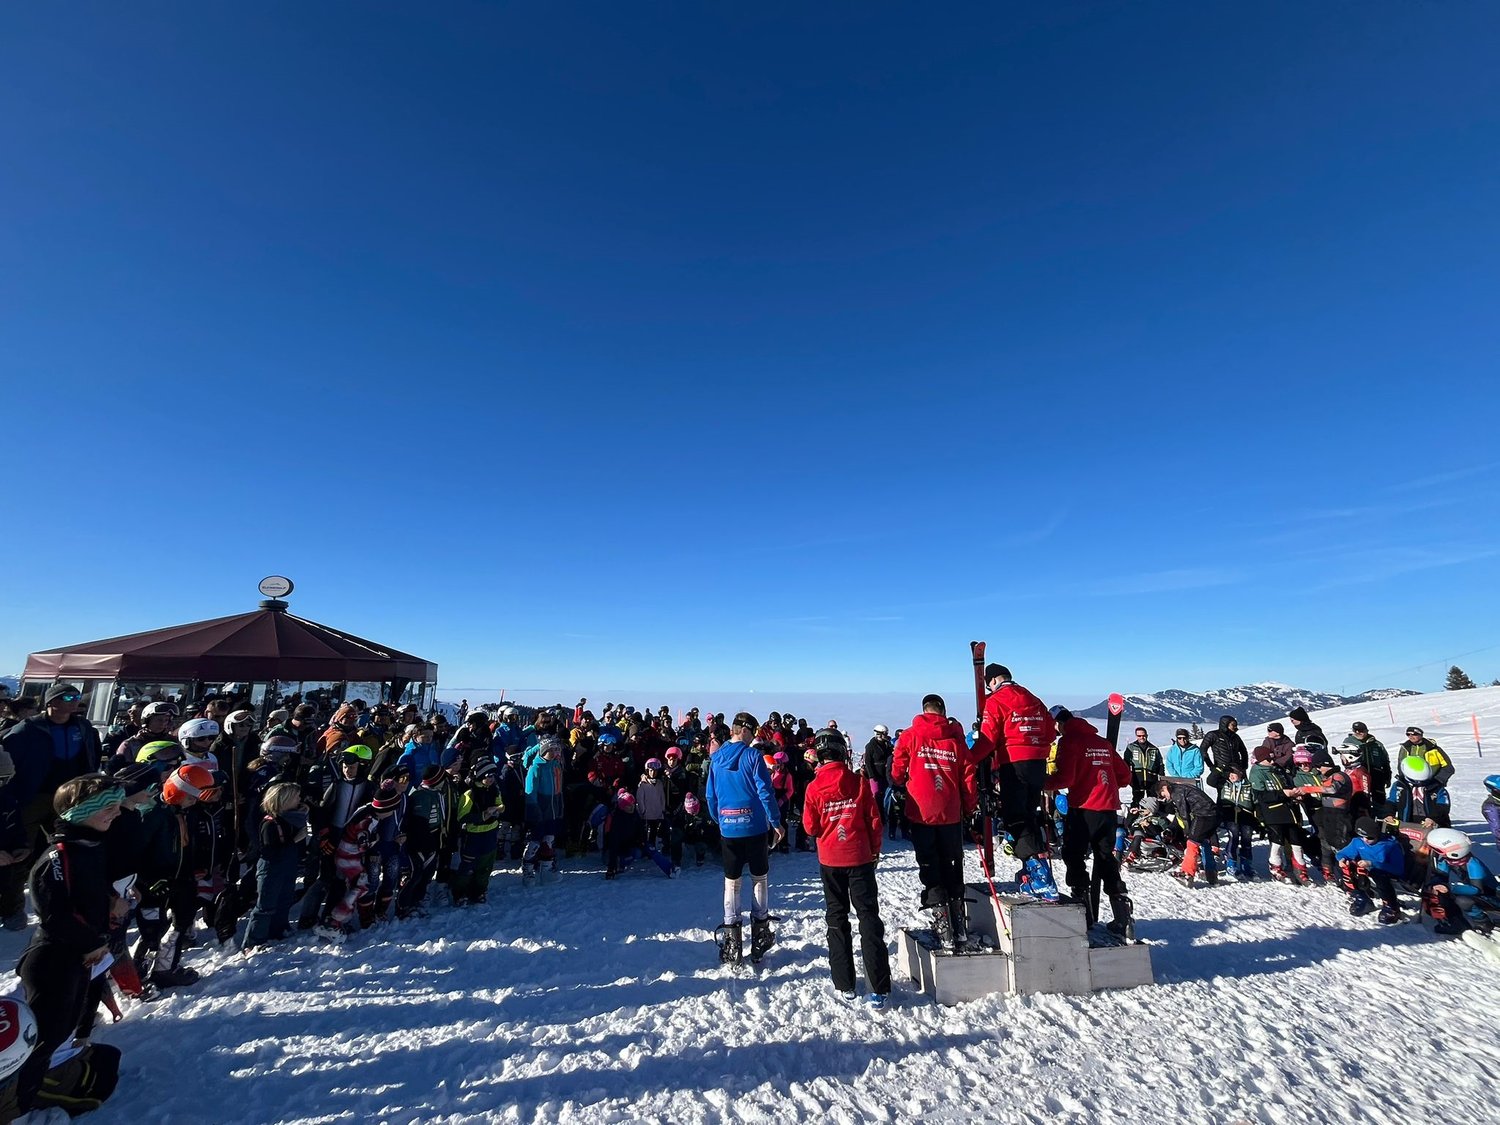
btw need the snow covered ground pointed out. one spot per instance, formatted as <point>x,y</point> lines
<point>594,1001</point>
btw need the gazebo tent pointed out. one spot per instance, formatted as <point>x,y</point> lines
<point>262,658</point>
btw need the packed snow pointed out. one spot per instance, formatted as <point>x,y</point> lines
<point>592,1001</point>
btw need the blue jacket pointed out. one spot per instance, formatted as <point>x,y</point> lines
<point>1185,761</point>
<point>419,757</point>
<point>1383,855</point>
<point>1469,878</point>
<point>544,785</point>
<point>738,792</point>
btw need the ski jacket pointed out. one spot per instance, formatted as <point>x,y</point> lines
<point>278,835</point>
<point>651,800</point>
<point>782,784</point>
<point>1223,748</point>
<point>357,842</point>
<point>623,831</point>
<point>1384,855</point>
<point>1185,761</point>
<point>1089,768</point>
<point>513,791</point>
<point>479,812</point>
<point>339,801</point>
<point>1307,730</point>
<point>1406,801</point>
<point>1237,802</point>
<point>1015,728</point>
<point>1190,803</point>
<point>840,812</point>
<point>70,891</point>
<point>1491,810</point>
<point>1281,748</point>
<point>1467,878</point>
<point>878,759</point>
<point>932,761</point>
<point>1434,755</point>
<point>544,783</point>
<point>738,792</point>
<point>418,756</point>
<point>1147,766</point>
<point>1272,805</point>
<point>426,823</point>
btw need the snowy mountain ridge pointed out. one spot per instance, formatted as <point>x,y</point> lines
<point>1249,703</point>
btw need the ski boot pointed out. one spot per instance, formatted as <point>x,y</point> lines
<point>1183,876</point>
<point>1245,871</point>
<point>1124,924</point>
<point>1389,915</point>
<point>331,933</point>
<point>730,938</point>
<point>762,937</point>
<point>1211,877</point>
<point>958,924</point>
<point>1037,881</point>
<point>1278,873</point>
<point>942,926</point>
<point>1299,874</point>
<point>1360,904</point>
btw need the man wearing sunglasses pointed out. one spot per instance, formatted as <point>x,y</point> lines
<point>48,750</point>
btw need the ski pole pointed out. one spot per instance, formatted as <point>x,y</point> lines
<point>1477,746</point>
<point>994,894</point>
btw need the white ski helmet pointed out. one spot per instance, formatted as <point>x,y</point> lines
<point>1414,767</point>
<point>1449,843</point>
<point>18,1035</point>
<point>197,728</point>
<point>151,710</point>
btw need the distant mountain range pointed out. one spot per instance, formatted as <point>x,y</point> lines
<point>1250,704</point>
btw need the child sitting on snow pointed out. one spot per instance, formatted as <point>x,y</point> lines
<point>1459,883</point>
<point>1150,842</point>
<point>1373,857</point>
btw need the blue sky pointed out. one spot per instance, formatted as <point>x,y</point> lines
<point>774,347</point>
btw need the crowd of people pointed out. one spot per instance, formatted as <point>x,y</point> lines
<point>369,815</point>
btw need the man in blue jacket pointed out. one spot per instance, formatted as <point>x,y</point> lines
<point>741,801</point>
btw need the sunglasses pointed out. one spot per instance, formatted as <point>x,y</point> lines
<point>71,697</point>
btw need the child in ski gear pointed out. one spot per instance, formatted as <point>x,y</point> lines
<point>167,879</point>
<point>698,830</point>
<point>1373,757</point>
<point>74,901</point>
<point>839,811</point>
<point>1237,815</point>
<point>1151,843</point>
<point>1418,794</point>
<point>479,812</point>
<point>1372,857</point>
<point>1093,774</point>
<point>391,848</point>
<point>1200,820</point>
<point>1460,882</point>
<point>1273,806</point>
<point>512,838</point>
<point>426,828</point>
<point>784,786</point>
<point>651,802</point>
<point>544,797</point>
<point>622,835</point>
<point>1333,817</point>
<point>1307,787</point>
<point>354,863</point>
<point>1489,808</point>
<point>283,828</point>
<point>740,800</point>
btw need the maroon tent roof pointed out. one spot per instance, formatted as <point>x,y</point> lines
<point>268,644</point>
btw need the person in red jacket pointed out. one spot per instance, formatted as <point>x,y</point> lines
<point>931,761</point>
<point>1017,730</point>
<point>840,812</point>
<point>1093,773</point>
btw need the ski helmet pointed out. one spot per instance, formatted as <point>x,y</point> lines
<point>1492,783</point>
<point>197,728</point>
<point>359,752</point>
<point>18,1035</point>
<point>625,800</point>
<point>151,710</point>
<point>1302,756</point>
<point>881,728</point>
<point>691,805</point>
<point>674,754</point>
<point>159,751</point>
<point>1449,843</point>
<point>189,783</point>
<point>653,764</point>
<point>1060,714</point>
<point>780,757</point>
<point>1416,768</point>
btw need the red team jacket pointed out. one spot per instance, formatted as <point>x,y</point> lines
<point>1089,768</point>
<point>1016,727</point>
<point>932,760</point>
<point>840,811</point>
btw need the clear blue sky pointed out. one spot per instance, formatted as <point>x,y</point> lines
<point>759,346</point>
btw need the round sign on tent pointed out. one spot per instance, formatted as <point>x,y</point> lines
<point>276,586</point>
<point>1116,703</point>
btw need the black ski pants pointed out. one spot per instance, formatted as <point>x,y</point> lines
<point>843,887</point>
<point>940,861</point>
<point>1090,832</point>
<point>1021,785</point>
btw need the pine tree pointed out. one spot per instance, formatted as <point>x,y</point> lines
<point>1458,679</point>
<point>1197,733</point>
